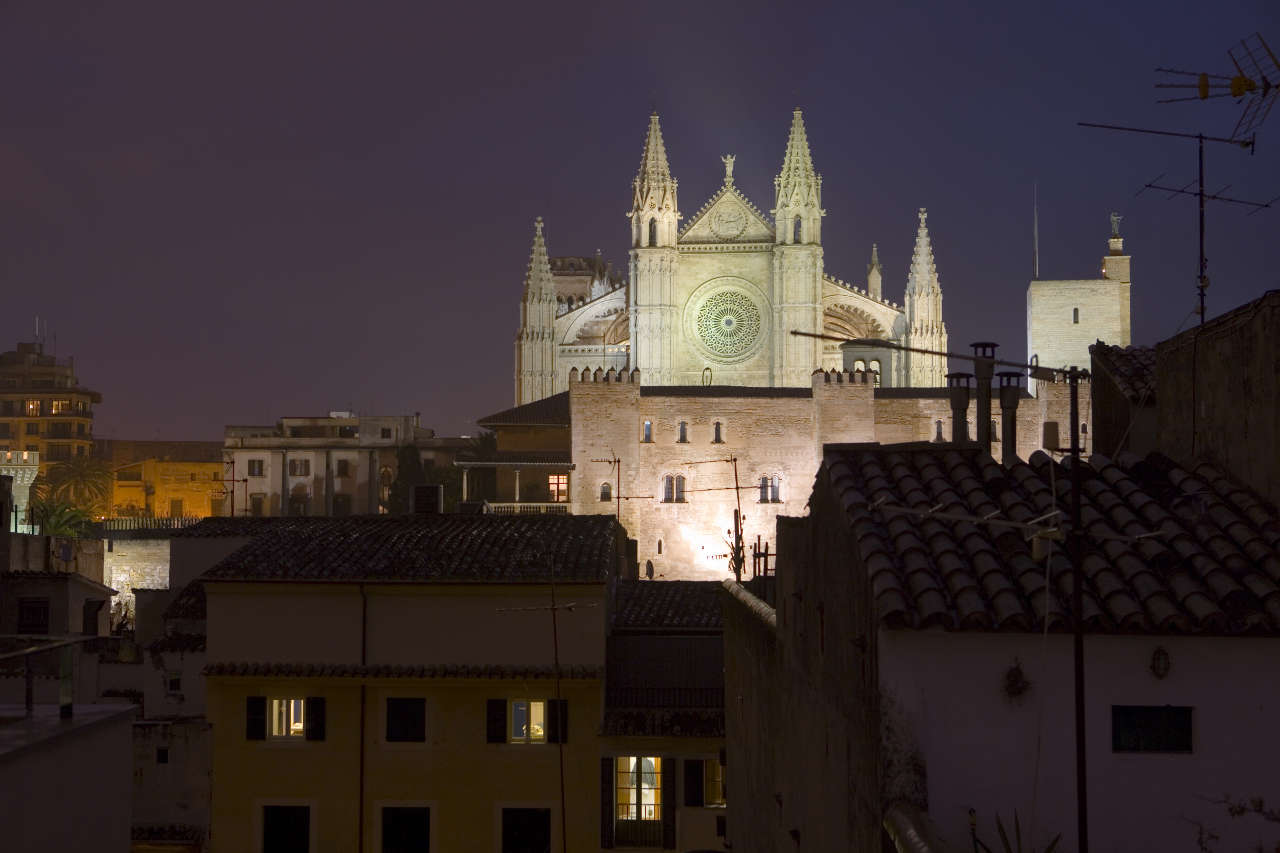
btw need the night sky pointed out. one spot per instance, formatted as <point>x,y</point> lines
<point>232,212</point>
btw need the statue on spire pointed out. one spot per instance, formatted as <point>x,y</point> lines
<point>728,159</point>
<point>1115,224</point>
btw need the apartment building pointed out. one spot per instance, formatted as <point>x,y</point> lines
<point>43,407</point>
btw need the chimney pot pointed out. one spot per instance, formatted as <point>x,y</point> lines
<point>1010,394</point>
<point>984,365</point>
<point>959,385</point>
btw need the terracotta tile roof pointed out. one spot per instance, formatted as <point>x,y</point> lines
<point>682,605</point>
<point>1133,369</point>
<point>345,670</point>
<point>549,411</point>
<point>432,548</point>
<point>638,722</point>
<point>248,526</point>
<point>187,604</point>
<point>1167,550</point>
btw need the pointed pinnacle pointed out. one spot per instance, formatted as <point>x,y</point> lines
<point>653,162</point>
<point>875,258</point>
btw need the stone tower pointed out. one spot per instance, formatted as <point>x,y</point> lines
<point>923,305</point>
<point>655,217</point>
<point>1064,317</point>
<point>797,261</point>
<point>536,339</point>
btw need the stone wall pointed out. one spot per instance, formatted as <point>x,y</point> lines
<point>765,432</point>
<point>1218,393</point>
<point>135,564</point>
<point>1052,333</point>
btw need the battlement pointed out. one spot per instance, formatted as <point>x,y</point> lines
<point>612,375</point>
<point>864,378</point>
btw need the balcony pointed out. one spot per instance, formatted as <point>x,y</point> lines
<point>525,508</point>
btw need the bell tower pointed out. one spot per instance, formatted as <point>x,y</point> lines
<point>655,219</point>
<point>797,262</point>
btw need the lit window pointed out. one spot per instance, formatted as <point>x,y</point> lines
<point>713,783</point>
<point>638,798</point>
<point>715,434</point>
<point>60,407</point>
<point>528,721</point>
<point>558,488</point>
<point>288,718</point>
<point>647,433</point>
<point>606,492</point>
<point>684,433</point>
<point>33,408</point>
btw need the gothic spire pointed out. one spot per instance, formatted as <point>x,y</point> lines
<point>874,279</point>
<point>537,276</point>
<point>654,186</point>
<point>797,205</point>
<point>923,276</point>
<point>875,259</point>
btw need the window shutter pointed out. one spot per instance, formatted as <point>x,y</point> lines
<point>496,721</point>
<point>255,718</point>
<point>693,795</point>
<point>557,721</point>
<point>606,803</point>
<point>314,722</point>
<point>668,785</point>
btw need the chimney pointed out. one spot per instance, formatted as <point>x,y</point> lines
<point>984,365</point>
<point>1010,393</point>
<point>959,385</point>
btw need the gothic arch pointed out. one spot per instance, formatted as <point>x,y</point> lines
<point>847,321</point>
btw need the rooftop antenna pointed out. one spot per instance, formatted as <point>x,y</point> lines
<point>1255,83</point>
<point>1035,232</point>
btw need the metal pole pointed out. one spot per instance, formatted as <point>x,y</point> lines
<point>1202,282</point>
<point>1077,613</point>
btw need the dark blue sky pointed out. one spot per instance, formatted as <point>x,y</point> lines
<point>245,210</point>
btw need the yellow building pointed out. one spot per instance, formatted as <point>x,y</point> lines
<point>390,683</point>
<point>167,489</point>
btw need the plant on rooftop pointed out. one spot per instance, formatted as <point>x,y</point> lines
<point>409,473</point>
<point>55,516</point>
<point>1008,845</point>
<point>81,481</point>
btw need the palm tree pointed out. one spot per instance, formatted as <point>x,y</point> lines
<point>57,517</point>
<point>81,481</point>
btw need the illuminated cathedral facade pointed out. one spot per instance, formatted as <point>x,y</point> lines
<point>714,299</point>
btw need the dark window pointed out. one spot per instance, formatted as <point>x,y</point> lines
<point>162,755</point>
<point>33,615</point>
<point>255,718</point>
<point>175,508</point>
<point>526,830</point>
<point>33,429</point>
<point>797,231</point>
<point>79,429</point>
<point>406,829</point>
<point>495,719</point>
<point>1075,315</point>
<point>299,467</point>
<point>255,467</point>
<point>173,683</point>
<point>386,432</point>
<point>684,433</point>
<point>286,829</point>
<point>1150,728</point>
<point>89,616</point>
<point>344,468</point>
<point>58,453</point>
<point>764,490</point>
<point>59,431</point>
<point>715,434</point>
<point>257,505</point>
<point>406,720</point>
<point>341,504</point>
<point>653,232</point>
<point>300,505</point>
<point>606,492</point>
<point>647,433</point>
<point>679,489</point>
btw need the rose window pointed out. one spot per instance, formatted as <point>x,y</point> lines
<point>728,323</point>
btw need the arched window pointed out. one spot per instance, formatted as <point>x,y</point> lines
<point>1075,315</point>
<point>775,489</point>
<point>684,433</point>
<point>647,432</point>
<point>995,430</point>
<point>939,437</point>
<point>653,232</point>
<point>716,437</point>
<point>796,238</point>
<point>764,490</point>
<point>659,547</point>
<point>679,489</point>
<point>668,489</point>
<point>860,366</point>
<point>606,492</point>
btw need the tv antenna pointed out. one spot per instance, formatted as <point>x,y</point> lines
<point>1202,269</point>
<point>1256,83</point>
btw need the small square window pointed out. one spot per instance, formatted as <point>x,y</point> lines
<point>173,683</point>
<point>558,488</point>
<point>299,467</point>
<point>256,467</point>
<point>406,720</point>
<point>344,468</point>
<point>528,721</point>
<point>386,432</point>
<point>33,429</point>
<point>288,718</point>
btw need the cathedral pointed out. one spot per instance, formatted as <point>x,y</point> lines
<point>714,300</point>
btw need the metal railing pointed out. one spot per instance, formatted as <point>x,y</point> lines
<point>525,508</point>
<point>35,645</point>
